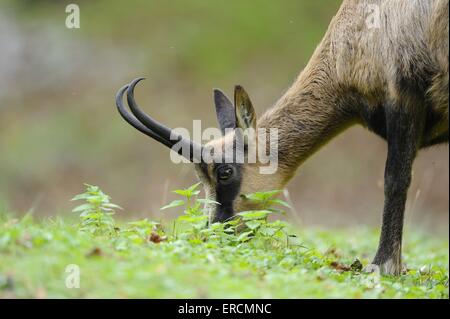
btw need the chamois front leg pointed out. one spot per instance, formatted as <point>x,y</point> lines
<point>403,133</point>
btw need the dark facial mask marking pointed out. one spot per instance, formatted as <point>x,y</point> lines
<point>226,192</point>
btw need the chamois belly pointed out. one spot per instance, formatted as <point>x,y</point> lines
<point>436,129</point>
<point>435,124</point>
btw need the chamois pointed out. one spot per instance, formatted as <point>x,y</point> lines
<point>391,77</point>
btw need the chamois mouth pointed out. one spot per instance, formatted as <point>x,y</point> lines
<point>149,126</point>
<point>223,214</point>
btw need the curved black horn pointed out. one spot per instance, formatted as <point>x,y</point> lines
<point>147,125</point>
<point>133,121</point>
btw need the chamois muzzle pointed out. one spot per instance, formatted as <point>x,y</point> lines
<point>149,126</point>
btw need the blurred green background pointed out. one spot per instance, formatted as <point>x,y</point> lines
<point>59,127</point>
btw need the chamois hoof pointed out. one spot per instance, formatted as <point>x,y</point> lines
<point>371,268</point>
<point>386,268</point>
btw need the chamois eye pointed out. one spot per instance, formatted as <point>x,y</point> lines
<point>224,173</point>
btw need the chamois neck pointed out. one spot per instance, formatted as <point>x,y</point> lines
<point>307,116</point>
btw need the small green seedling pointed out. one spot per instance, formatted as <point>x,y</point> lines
<point>96,213</point>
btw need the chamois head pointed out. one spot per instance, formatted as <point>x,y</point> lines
<point>229,166</point>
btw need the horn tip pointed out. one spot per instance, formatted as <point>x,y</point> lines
<point>136,81</point>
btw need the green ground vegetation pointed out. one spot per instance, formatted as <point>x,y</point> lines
<point>255,256</point>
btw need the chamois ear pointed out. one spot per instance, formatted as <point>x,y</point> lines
<point>245,114</point>
<point>224,111</point>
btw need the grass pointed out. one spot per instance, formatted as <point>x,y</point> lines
<point>185,259</point>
